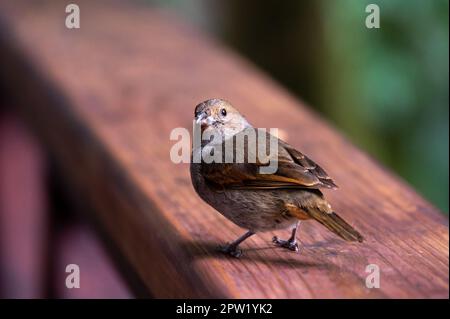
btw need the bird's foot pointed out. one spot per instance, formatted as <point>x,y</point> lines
<point>231,250</point>
<point>289,244</point>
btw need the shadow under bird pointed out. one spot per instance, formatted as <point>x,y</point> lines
<point>259,201</point>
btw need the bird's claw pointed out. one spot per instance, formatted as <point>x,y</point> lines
<point>289,244</point>
<point>231,250</point>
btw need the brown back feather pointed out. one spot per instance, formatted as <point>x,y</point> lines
<point>295,170</point>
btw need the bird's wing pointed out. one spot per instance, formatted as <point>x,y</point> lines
<point>295,170</point>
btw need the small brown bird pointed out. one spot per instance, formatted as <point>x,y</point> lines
<point>256,201</point>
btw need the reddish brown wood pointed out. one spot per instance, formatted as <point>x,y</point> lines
<point>105,98</point>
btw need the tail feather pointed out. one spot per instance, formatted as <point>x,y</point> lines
<point>337,225</point>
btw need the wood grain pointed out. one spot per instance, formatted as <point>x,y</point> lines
<point>105,98</point>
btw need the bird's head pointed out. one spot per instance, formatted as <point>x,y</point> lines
<point>219,117</point>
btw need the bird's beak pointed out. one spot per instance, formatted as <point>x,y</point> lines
<point>204,121</point>
<point>200,118</point>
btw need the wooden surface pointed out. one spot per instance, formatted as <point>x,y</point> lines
<point>105,98</point>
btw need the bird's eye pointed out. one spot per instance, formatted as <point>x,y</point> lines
<point>223,112</point>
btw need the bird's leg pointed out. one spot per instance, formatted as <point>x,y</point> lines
<point>232,248</point>
<point>291,243</point>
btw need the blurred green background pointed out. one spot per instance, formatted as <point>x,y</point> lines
<point>386,89</point>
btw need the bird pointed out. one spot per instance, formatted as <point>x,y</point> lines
<point>256,201</point>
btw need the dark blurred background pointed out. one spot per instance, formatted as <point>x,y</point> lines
<point>386,89</point>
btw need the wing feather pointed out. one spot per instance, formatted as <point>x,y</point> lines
<point>295,170</point>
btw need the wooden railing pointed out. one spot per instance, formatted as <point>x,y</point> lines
<point>104,99</point>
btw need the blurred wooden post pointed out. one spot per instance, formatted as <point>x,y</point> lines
<point>106,96</point>
<point>24,218</point>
